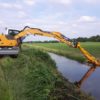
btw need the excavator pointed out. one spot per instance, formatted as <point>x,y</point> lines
<point>10,44</point>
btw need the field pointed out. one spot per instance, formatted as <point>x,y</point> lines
<point>72,53</point>
<point>33,76</point>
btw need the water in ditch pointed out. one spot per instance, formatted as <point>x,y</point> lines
<point>74,71</point>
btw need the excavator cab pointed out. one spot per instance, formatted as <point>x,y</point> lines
<point>12,32</point>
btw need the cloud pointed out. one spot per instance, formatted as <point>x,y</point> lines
<point>65,16</point>
<point>21,14</point>
<point>87,19</point>
<point>1,22</point>
<point>93,1</point>
<point>10,6</point>
<point>64,2</point>
<point>29,2</point>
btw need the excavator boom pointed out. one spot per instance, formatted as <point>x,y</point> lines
<point>36,31</point>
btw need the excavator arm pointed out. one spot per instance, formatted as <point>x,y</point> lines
<point>91,59</point>
<point>35,31</point>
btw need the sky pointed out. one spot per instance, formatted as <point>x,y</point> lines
<point>73,18</point>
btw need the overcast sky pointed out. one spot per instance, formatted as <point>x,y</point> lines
<point>73,18</point>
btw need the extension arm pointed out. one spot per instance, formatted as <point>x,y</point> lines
<point>60,37</point>
<point>91,59</point>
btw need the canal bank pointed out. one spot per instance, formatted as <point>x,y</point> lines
<point>74,72</point>
<point>34,76</point>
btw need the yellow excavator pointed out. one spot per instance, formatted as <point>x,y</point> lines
<point>10,44</point>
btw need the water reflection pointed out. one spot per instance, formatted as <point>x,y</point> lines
<point>87,74</point>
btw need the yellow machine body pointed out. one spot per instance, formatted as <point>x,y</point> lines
<point>4,41</point>
<point>15,42</point>
<point>8,46</point>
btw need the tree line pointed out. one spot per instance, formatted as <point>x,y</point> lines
<point>90,39</point>
<point>79,39</point>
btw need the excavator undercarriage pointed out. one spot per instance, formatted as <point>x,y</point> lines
<point>14,51</point>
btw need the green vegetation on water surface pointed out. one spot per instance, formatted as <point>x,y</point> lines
<point>72,53</point>
<point>33,76</point>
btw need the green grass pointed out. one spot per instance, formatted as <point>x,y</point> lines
<point>33,76</point>
<point>72,53</point>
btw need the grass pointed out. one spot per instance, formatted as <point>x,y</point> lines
<point>33,76</point>
<point>72,53</point>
